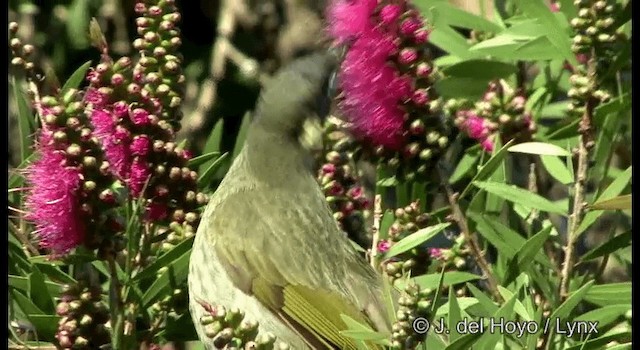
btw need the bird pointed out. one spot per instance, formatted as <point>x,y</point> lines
<point>268,243</point>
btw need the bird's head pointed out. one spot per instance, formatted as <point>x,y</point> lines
<point>298,98</point>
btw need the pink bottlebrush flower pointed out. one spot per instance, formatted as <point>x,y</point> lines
<point>140,173</point>
<point>421,36</point>
<point>52,202</point>
<point>390,13</point>
<point>383,246</point>
<point>476,127</point>
<point>373,85</point>
<point>435,253</point>
<point>487,145</point>
<point>349,19</point>
<point>140,146</point>
<point>373,90</point>
<point>115,141</point>
<point>420,97</point>
<point>554,7</point>
<point>355,192</point>
<point>139,116</point>
<point>156,211</point>
<point>408,56</point>
<point>328,168</point>
<point>410,25</point>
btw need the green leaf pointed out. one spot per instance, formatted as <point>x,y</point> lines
<point>555,110</point>
<point>616,203</point>
<point>487,304</point>
<point>457,17</point>
<point>610,294</point>
<point>461,87</point>
<point>489,340</point>
<point>450,278</point>
<point>22,283</point>
<point>464,303</point>
<point>213,144</point>
<point>557,169</point>
<point>201,159</point>
<point>165,259</point>
<point>564,310</point>
<point>489,167</point>
<point>55,274</point>
<point>446,38</point>
<point>26,123</point>
<point>465,342</point>
<point>604,315</point>
<point>615,188</point>
<point>554,31</point>
<point>76,78</point>
<point>481,69</point>
<point>466,165</point>
<point>525,255</point>
<point>539,148</point>
<point>602,341</point>
<point>26,305</point>
<point>207,175</point>
<point>175,274</point>
<point>46,325</point>
<point>520,196</point>
<point>37,291</point>
<point>385,223</point>
<point>618,242</point>
<point>454,316</point>
<point>415,239</point>
<point>502,237</point>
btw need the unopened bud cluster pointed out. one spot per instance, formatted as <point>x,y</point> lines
<point>453,258</point>
<point>502,110</point>
<point>84,316</point>
<point>20,52</point>
<point>414,302</point>
<point>341,184</point>
<point>136,108</point>
<point>594,38</point>
<point>408,220</point>
<point>594,26</point>
<point>230,330</point>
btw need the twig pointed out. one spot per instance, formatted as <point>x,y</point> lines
<point>472,241</point>
<point>585,144</point>
<point>375,231</point>
<point>222,50</point>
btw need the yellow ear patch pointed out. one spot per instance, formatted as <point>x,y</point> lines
<point>311,135</point>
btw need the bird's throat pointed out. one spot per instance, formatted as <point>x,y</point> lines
<point>275,158</point>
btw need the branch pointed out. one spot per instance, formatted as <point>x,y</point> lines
<point>585,145</point>
<point>223,49</point>
<point>472,240</point>
<point>375,231</point>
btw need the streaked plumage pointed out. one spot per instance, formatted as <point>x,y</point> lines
<point>268,243</point>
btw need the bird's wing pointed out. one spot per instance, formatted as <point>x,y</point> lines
<point>307,278</point>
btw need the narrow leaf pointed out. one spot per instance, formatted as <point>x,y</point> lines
<point>415,239</point>
<point>76,78</point>
<point>539,148</point>
<point>521,196</point>
<point>616,203</point>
